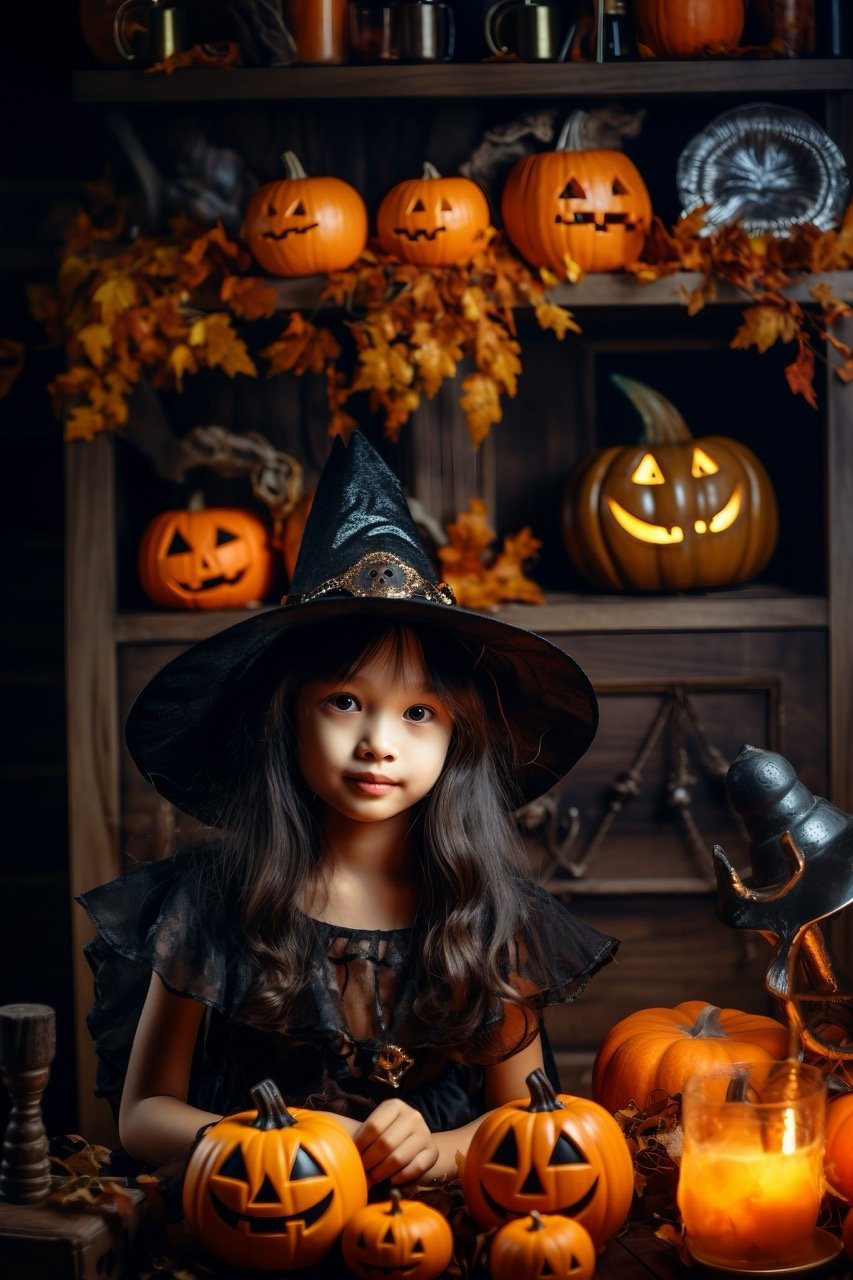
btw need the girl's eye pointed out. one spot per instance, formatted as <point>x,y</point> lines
<point>343,702</point>
<point>419,714</point>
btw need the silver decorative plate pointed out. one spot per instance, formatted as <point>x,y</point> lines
<point>766,167</point>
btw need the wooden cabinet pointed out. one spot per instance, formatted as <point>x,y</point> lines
<point>683,681</point>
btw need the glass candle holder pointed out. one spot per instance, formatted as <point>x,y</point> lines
<point>751,1177</point>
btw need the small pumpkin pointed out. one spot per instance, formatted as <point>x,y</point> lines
<point>838,1156</point>
<point>303,226</point>
<point>589,205</point>
<point>659,1048</point>
<point>205,558</point>
<point>271,1189</point>
<point>397,1237</point>
<point>683,30</point>
<point>553,1153</point>
<point>537,1247</point>
<point>672,512</point>
<point>433,221</point>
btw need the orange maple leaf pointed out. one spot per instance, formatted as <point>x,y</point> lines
<point>478,578</point>
<point>800,374</point>
<point>250,298</point>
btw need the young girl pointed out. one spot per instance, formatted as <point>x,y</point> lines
<point>362,929</point>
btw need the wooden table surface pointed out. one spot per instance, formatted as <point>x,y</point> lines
<point>636,1254</point>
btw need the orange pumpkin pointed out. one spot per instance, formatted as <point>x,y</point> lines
<point>685,29</point>
<point>659,1048</point>
<point>590,206</point>
<point>432,220</point>
<point>553,1153</point>
<point>838,1158</point>
<point>670,513</point>
<point>397,1237</point>
<point>206,558</point>
<point>271,1189</point>
<point>535,1247</point>
<point>301,226</point>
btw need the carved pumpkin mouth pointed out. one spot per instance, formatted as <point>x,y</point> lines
<point>422,233</point>
<point>661,536</point>
<point>270,1226</point>
<point>568,1211</point>
<point>289,231</point>
<point>209,583</point>
<point>601,222</point>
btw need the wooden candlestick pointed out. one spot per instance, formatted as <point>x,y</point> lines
<point>27,1046</point>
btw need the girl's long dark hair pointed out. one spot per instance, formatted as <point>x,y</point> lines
<point>470,860</point>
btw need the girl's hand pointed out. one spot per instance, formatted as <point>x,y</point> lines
<point>395,1143</point>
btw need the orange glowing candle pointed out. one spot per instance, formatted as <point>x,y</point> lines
<point>751,1175</point>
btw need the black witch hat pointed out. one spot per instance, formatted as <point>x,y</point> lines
<point>360,556</point>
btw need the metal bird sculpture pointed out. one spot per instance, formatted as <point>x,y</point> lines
<point>801,856</point>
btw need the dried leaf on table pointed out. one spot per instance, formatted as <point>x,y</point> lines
<point>199,55</point>
<point>480,577</point>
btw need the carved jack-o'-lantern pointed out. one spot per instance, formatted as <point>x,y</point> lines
<point>397,1237</point>
<point>205,558</point>
<point>552,1153</point>
<point>672,512</point>
<point>271,1190</point>
<point>301,226</point>
<point>591,206</point>
<point>542,1248</point>
<point>432,220</point>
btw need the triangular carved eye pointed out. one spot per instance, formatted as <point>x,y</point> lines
<point>647,471</point>
<point>267,1193</point>
<point>418,1248</point>
<point>446,206</point>
<point>178,546</point>
<point>388,1238</point>
<point>235,1167</point>
<point>619,188</point>
<point>573,191</point>
<point>418,207</point>
<point>271,211</point>
<point>223,536</point>
<point>298,210</point>
<point>547,1269</point>
<point>506,1153</point>
<point>305,1166</point>
<point>565,1152</point>
<point>702,464</point>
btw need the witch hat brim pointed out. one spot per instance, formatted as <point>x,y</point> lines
<point>189,730</point>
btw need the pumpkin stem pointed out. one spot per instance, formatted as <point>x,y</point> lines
<point>536,1223</point>
<point>707,1025</point>
<point>571,135</point>
<point>662,421</point>
<point>395,1202</point>
<point>430,170</point>
<point>542,1095</point>
<point>292,165</point>
<point>272,1113</point>
<point>196,502</point>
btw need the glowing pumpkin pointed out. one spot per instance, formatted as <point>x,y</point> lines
<point>672,512</point>
<point>553,1153</point>
<point>301,226</point>
<point>270,1189</point>
<point>537,1248</point>
<point>397,1237</point>
<point>591,206</point>
<point>683,30</point>
<point>432,220</point>
<point>206,558</point>
<point>659,1048</point>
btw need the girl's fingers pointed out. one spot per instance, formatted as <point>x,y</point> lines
<point>411,1154</point>
<point>385,1144</point>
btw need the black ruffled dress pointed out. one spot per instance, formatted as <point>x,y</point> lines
<point>353,1028</point>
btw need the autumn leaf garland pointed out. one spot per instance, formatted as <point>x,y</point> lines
<point>167,307</point>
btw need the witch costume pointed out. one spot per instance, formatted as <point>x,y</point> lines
<point>352,1036</point>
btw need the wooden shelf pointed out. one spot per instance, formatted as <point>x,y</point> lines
<point>466,80</point>
<point>607,289</point>
<point>747,609</point>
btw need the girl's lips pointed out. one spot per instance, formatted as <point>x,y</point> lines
<point>371,784</point>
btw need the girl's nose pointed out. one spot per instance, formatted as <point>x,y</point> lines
<point>376,743</point>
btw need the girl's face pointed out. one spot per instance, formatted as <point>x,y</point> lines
<point>373,744</point>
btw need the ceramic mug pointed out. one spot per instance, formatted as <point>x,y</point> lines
<point>427,32</point>
<point>320,30</point>
<point>532,31</point>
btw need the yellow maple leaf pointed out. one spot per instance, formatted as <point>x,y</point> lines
<point>96,340</point>
<point>434,363</point>
<point>480,401</point>
<point>114,296</point>
<point>182,361</point>
<point>83,423</point>
<point>220,345</point>
<point>574,271</point>
<point>556,318</point>
<point>762,327</point>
